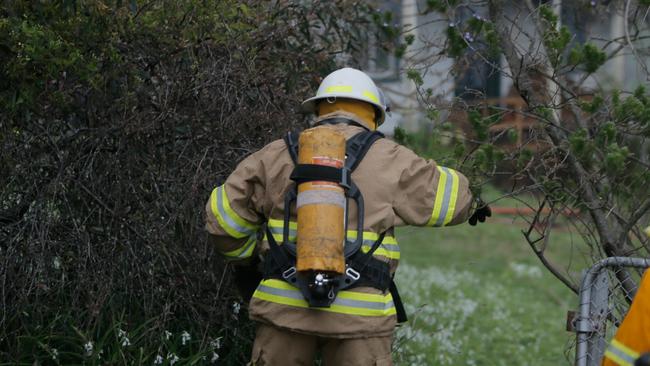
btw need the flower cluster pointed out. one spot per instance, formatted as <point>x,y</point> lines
<point>122,335</point>
<point>185,337</point>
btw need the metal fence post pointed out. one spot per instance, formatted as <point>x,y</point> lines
<point>596,307</point>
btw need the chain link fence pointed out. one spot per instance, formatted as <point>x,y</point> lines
<point>607,290</point>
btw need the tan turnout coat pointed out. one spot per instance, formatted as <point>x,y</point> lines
<point>399,188</point>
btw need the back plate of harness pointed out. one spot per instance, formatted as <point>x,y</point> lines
<point>362,269</point>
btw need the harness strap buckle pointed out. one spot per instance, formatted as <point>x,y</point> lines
<point>289,273</point>
<point>352,273</point>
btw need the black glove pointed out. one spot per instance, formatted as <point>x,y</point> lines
<point>247,277</point>
<point>644,360</point>
<point>480,213</point>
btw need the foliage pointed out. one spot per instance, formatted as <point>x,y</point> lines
<point>563,134</point>
<point>117,120</point>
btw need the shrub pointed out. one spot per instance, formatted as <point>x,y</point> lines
<point>117,120</point>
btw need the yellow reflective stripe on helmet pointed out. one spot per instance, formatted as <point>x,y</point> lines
<point>621,354</point>
<point>245,251</point>
<point>389,247</point>
<point>370,95</point>
<point>339,89</point>
<point>347,302</point>
<point>446,197</point>
<point>228,219</point>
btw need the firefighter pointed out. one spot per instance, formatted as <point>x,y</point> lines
<point>631,343</point>
<point>346,314</point>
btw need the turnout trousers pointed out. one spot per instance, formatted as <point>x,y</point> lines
<point>275,346</point>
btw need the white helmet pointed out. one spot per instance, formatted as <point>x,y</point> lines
<point>351,84</point>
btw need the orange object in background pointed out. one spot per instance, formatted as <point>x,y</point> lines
<point>321,205</point>
<point>633,336</point>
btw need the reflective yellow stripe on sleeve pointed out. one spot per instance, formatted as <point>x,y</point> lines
<point>228,219</point>
<point>244,252</point>
<point>389,247</point>
<point>347,302</point>
<point>621,354</point>
<point>444,204</point>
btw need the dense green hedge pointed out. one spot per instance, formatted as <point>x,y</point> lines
<point>117,118</point>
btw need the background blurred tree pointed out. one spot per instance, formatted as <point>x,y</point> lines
<point>117,120</point>
<point>586,154</point>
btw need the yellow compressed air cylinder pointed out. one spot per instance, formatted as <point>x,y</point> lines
<point>321,205</point>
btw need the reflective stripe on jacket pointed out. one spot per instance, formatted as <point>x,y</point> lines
<point>632,338</point>
<point>388,248</point>
<point>347,302</point>
<point>399,188</point>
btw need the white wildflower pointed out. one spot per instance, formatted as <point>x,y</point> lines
<point>56,263</point>
<point>214,358</point>
<point>88,347</point>
<point>123,334</point>
<point>159,360</point>
<point>172,358</point>
<point>216,343</point>
<point>236,306</point>
<point>185,337</point>
<point>525,270</point>
<point>55,353</point>
<point>168,335</point>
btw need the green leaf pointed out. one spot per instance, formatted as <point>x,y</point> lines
<point>401,136</point>
<point>575,55</point>
<point>512,135</point>
<point>459,150</point>
<point>400,50</point>
<point>477,122</point>
<point>593,57</point>
<point>547,14</point>
<point>433,113</point>
<point>456,45</point>
<point>524,157</point>
<point>607,133</point>
<point>415,76</point>
<point>578,141</point>
<point>437,5</point>
<point>615,158</point>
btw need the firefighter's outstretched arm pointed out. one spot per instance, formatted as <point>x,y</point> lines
<point>433,195</point>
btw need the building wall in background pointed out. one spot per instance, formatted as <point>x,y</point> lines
<point>390,73</point>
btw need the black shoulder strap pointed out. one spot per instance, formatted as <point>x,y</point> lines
<point>357,147</point>
<point>355,150</point>
<point>291,139</point>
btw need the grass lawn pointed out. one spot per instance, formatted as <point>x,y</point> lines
<point>479,296</point>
